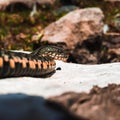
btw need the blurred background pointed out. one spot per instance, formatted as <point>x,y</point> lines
<point>22,23</point>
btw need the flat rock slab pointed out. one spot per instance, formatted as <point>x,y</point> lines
<point>71,77</point>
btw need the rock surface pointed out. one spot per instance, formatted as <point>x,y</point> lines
<point>75,27</point>
<point>113,0</point>
<point>102,49</point>
<point>99,104</point>
<point>29,3</point>
<point>22,98</point>
<point>71,77</point>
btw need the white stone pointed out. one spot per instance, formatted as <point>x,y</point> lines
<point>71,77</point>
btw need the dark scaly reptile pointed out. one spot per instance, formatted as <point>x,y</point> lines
<point>38,63</point>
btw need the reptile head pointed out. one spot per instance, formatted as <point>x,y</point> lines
<point>54,52</point>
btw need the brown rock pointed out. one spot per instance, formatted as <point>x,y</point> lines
<point>114,51</point>
<point>75,27</point>
<point>99,104</point>
<point>113,0</point>
<point>29,3</point>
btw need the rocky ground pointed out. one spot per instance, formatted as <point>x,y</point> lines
<point>99,104</point>
<point>67,94</point>
<point>77,91</point>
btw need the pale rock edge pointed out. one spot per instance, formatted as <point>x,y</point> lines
<point>71,77</point>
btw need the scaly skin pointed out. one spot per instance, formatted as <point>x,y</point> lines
<point>38,63</point>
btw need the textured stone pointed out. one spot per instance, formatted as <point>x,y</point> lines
<point>75,27</point>
<point>99,104</point>
<point>113,0</point>
<point>31,105</point>
<point>29,3</point>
